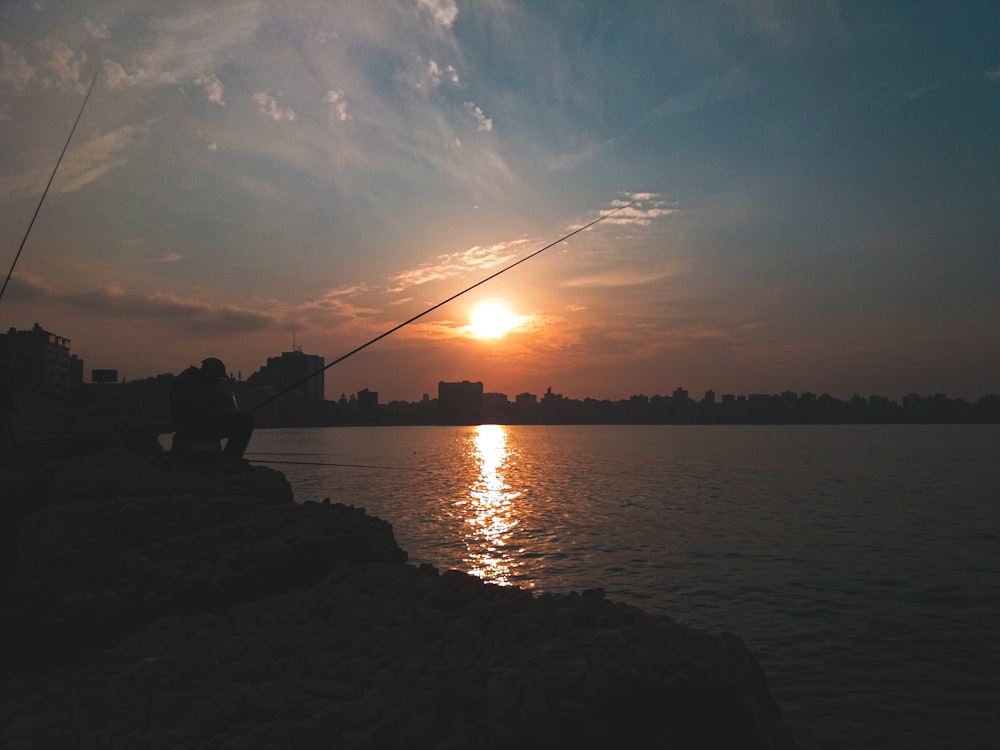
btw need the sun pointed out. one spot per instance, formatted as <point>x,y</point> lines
<point>492,320</point>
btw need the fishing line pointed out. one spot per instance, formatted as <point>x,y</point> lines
<point>352,466</point>
<point>282,453</point>
<point>431,309</point>
<point>49,184</point>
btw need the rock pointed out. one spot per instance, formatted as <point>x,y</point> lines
<point>216,614</point>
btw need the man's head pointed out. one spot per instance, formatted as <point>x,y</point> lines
<point>213,368</point>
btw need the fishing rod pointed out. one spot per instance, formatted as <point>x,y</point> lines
<point>49,184</point>
<point>431,309</point>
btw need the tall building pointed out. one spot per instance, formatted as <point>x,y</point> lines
<point>40,361</point>
<point>297,373</point>
<point>368,401</point>
<point>461,403</point>
<point>291,368</point>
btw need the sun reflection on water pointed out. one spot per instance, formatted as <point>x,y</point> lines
<point>491,511</point>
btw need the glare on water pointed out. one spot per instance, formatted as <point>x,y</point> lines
<point>491,510</point>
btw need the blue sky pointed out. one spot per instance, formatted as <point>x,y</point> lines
<point>817,188</point>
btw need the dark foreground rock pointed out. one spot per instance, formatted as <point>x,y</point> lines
<point>156,606</point>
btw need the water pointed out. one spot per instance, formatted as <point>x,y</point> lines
<point>859,563</point>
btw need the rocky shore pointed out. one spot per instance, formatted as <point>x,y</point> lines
<point>155,605</point>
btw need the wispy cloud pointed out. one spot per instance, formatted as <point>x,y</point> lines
<point>483,123</point>
<point>96,30</point>
<point>618,278</point>
<point>437,74</point>
<point>184,45</point>
<point>337,106</point>
<point>455,264</point>
<point>65,64</point>
<point>194,317</point>
<point>734,83</point>
<point>647,208</point>
<point>444,12</point>
<point>270,108</point>
<point>213,88</point>
<point>115,75</point>
<point>83,164</point>
<point>15,70</point>
<point>165,258</point>
<point>96,157</point>
<point>342,307</point>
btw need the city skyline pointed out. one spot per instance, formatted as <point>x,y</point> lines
<point>511,395</point>
<point>815,192</point>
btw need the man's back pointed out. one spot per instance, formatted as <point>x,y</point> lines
<point>192,399</point>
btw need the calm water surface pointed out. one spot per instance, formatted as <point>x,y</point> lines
<point>859,563</point>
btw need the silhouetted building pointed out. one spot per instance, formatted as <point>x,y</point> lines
<point>526,400</point>
<point>461,403</point>
<point>290,368</point>
<point>495,407</point>
<point>297,377</point>
<point>550,399</point>
<point>368,401</point>
<point>40,361</point>
<point>104,376</point>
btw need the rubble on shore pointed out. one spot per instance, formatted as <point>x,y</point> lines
<point>161,606</point>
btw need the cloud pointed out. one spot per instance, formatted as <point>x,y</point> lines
<point>444,12</point>
<point>430,74</point>
<point>618,278</point>
<point>993,74</point>
<point>437,74</point>
<point>732,84</point>
<point>84,163</point>
<point>454,264</point>
<point>183,46</point>
<point>269,107</point>
<point>571,160</point>
<point>919,92</point>
<point>213,89</point>
<point>337,111</point>
<point>99,155</point>
<point>193,317</point>
<point>485,124</point>
<point>638,215</point>
<point>165,258</point>
<point>65,64</point>
<point>115,76</point>
<point>96,30</point>
<point>338,307</point>
<point>14,68</point>
<point>787,25</point>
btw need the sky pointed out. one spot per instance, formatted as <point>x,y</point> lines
<point>814,191</point>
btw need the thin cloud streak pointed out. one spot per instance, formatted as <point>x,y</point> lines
<point>191,316</point>
<point>618,278</point>
<point>84,163</point>
<point>456,264</point>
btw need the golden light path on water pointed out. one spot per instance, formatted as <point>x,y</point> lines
<point>490,509</point>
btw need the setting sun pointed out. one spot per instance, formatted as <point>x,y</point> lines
<point>491,320</point>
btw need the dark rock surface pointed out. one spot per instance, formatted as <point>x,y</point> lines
<point>158,606</point>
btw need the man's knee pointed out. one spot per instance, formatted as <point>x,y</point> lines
<point>241,421</point>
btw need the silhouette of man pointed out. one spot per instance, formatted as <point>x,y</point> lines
<point>201,408</point>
